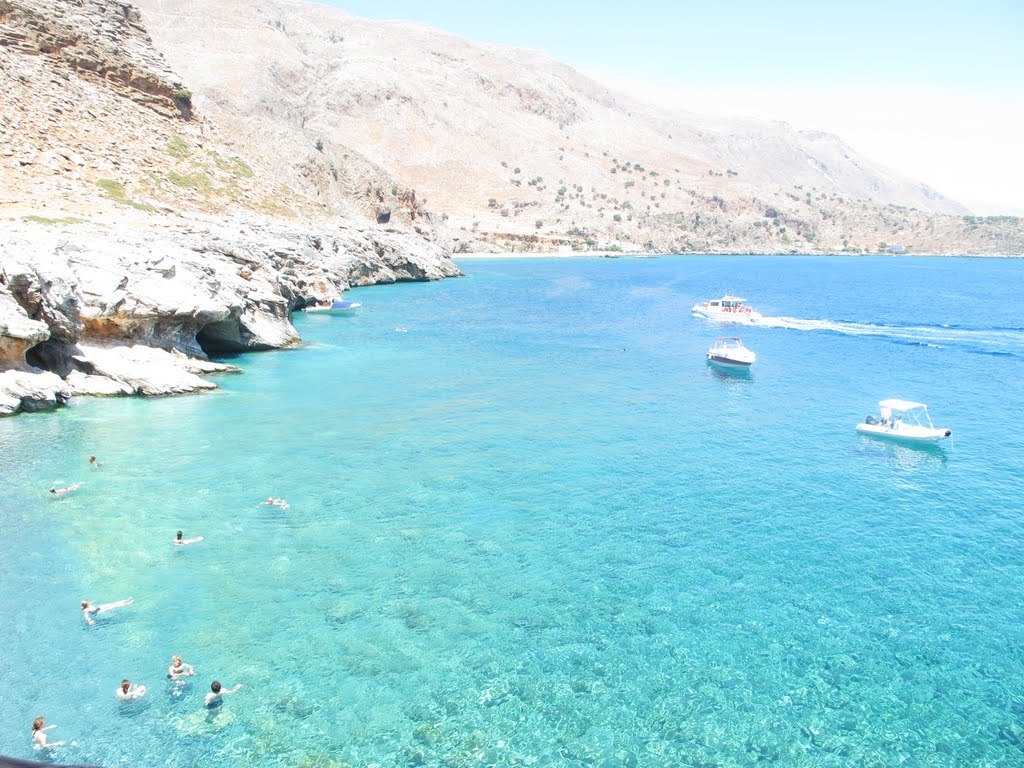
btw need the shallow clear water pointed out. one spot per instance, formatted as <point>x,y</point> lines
<point>535,528</point>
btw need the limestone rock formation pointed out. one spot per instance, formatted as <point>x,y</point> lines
<point>118,311</point>
<point>101,37</point>
<point>31,390</point>
<point>18,332</point>
<point>140,370</point>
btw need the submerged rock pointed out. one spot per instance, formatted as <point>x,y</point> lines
<point>343,611</point>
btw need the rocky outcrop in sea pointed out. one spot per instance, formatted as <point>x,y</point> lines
<point>98,310</point>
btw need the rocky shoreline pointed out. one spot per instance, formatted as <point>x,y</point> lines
<point>108,310</point>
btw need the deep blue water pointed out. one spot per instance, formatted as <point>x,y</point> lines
<point>535,528</point>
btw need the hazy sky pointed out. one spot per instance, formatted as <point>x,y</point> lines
<point>934,90</point>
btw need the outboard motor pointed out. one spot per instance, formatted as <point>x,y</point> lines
<point>949,432</point>
<point>869,419</point>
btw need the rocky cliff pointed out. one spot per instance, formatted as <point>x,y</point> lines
<point>115,311</point>
<point>135,239</point>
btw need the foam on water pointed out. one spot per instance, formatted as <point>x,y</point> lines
<point>537,529</point>
<point>1006,341</point>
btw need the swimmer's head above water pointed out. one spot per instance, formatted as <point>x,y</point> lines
<point>180,534</point>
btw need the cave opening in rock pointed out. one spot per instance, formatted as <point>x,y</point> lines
<point>52,355</point>
<point>223,336</point>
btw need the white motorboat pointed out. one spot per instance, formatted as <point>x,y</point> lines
<point>338,307</point>
<point>904,420</point>
<point>728,350</point>
<point>728,308</point>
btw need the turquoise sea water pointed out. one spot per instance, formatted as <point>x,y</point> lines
<point>535,528</point>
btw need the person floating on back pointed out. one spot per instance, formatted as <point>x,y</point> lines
<point>129,692</point>
<point>58,491</point>
<point>216,696</point>
<point>39,730</point>
<point>89,610</point>
<point>180,542</point>
<point>271,501</point>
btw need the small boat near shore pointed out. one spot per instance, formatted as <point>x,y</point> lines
<point>903,420</point>
<point>729,309</point>
<point>729,351</point>
<point>338,307</point>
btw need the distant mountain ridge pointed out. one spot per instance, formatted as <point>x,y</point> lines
<point>286,109</point>
<point>520,151</point>
<point>379,87</point>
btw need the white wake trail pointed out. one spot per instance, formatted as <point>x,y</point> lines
<point>992,341</point>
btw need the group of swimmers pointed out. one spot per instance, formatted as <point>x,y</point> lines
<point>175,673</point>
<point>128,692</point>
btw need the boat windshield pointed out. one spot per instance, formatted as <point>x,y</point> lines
<point>917,414</point>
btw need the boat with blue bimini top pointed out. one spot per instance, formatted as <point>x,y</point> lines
<point>903,420</point>
<point>337,307</point>
<point>729,351</point>
<point>730,309</point>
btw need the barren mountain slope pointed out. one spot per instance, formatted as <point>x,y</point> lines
<point>434,106</point>
<point>516,147</point>
<point>94,120</point>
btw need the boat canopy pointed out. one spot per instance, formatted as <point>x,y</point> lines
<point>900,405</point>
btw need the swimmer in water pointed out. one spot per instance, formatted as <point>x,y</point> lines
<point>92,460</point>
<point>272,502</point>
<point>57,491</point>
<point>180,542</point>
<point>129,692</point>
<point>178,670</point>
<point>216,697</point>
<point>39,730</point>
<point>89,610</point>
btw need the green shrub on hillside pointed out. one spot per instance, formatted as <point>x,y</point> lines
<point>47,220</point>
<point>235,166</point>
<point>199,182</point>
<point>115,191</point>
<point>178,147</point>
